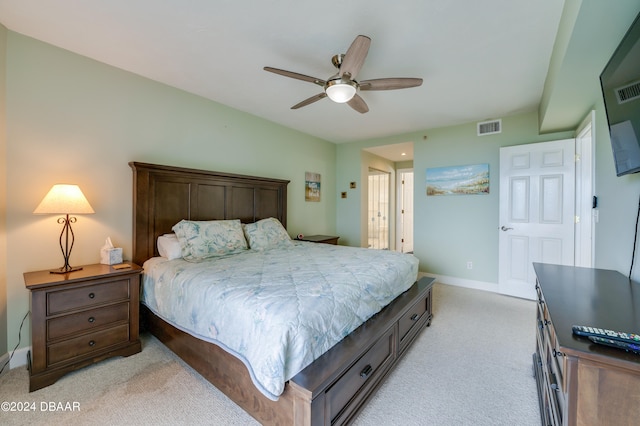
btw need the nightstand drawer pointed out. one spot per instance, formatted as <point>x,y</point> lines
<point>86,320</point>
<point>72,348</point>
<point>81,297</point>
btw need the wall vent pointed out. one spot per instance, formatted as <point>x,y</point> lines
<point>490,127</point>
<point>628,93</point>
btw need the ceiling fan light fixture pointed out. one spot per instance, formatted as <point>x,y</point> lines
<point>343,86</point>
<point>340,90</point>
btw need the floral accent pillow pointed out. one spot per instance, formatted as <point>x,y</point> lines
<point>266,234</point>
<point>204,239</point>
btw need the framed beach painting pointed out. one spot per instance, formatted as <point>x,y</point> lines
<point>458,180</point>
<point>311,186</point>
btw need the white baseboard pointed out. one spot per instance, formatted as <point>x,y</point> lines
<point>462,282</point>
<point>19,359</point>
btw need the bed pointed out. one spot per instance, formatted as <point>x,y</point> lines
<point>328,390</point>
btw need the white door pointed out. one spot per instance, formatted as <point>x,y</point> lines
<point>404,238</point>
<point>537,185</point>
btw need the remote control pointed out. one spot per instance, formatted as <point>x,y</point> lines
<point>629,347</point>
<point>582,330</point>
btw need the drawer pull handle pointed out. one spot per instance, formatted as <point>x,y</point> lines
<point>91,295</point>
<point>366,371</point>
<point>557,353</point>
<point>91,319</point>
<point>414,317</point>
<point>92,343</point>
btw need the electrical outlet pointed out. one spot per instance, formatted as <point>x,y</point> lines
<point>469,265</point>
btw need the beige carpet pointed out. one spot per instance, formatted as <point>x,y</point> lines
<point>471,367</point>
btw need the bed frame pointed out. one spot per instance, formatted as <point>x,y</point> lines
<point>333,388</point>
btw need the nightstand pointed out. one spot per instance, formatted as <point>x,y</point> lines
<point>80,318</point>
<point>326,239</point>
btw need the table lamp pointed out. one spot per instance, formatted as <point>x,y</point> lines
<point>66,200</point>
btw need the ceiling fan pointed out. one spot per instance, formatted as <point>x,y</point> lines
<point>342,87</point>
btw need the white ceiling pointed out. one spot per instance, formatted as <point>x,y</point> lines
<point>479,59</point>
<point>402,151</point>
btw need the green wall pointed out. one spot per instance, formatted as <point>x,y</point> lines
<point>71,119</point>
<point>448,231</point>
<point>455,229</point>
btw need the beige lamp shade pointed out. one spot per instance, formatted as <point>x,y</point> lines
<point>64,199</point>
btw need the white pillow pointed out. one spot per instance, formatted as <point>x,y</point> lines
<point>169,246</point>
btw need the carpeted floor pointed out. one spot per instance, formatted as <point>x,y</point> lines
<point>471,367</point>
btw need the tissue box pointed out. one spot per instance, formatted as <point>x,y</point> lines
<point>111,256</point>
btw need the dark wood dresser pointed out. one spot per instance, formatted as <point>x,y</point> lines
<point>81,317</point>
<point>580,382</point>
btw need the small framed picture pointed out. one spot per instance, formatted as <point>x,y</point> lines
<point>311,186</point>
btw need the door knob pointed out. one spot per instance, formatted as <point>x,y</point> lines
<point>504,228</point>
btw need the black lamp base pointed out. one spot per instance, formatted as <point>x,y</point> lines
<point>66,249</point>
<point>64,270</point>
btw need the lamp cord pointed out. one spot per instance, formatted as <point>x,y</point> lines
<point>635,240</point>
<point>18,344</point>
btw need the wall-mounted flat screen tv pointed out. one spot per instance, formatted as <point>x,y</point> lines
<point>620,82</point>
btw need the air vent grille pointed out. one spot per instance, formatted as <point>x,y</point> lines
<point>628,93</point>
<point>489,127</point>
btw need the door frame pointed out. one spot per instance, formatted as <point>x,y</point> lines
<point>586,210</point>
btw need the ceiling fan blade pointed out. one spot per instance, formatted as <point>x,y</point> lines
<point>390,83</point>
<point>295,75</point>
<point>310,100</point>
<point>355,56</point>
<point>358,104</point>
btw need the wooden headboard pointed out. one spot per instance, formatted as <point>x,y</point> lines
<point>164,195</point>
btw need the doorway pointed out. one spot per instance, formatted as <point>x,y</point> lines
<point>378,210</point>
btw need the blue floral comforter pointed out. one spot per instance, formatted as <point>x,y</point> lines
<point>277,310</point>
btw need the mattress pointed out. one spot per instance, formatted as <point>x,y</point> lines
<point>276,310</point>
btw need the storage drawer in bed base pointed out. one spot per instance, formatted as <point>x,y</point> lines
<point>379,338</point>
